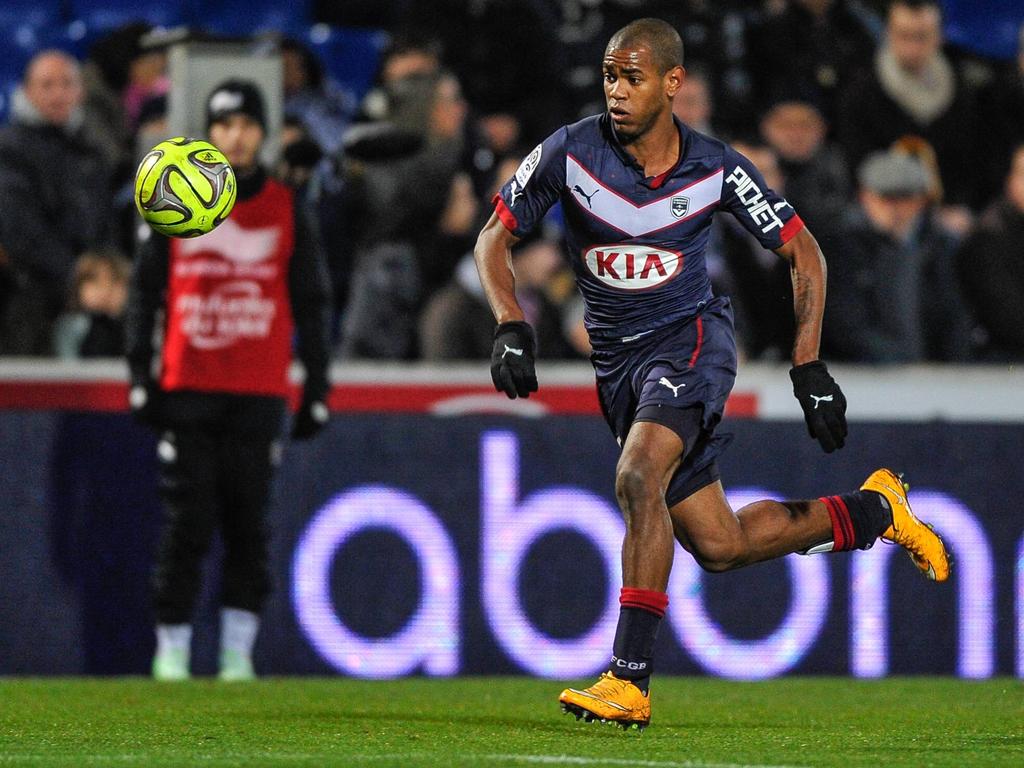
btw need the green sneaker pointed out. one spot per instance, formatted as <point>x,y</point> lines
<point>235,667</point>
<point>171,665</point>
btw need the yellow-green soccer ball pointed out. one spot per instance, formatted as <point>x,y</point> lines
<point>185,187</point>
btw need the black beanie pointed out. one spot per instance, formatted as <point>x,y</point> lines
<point>235,97</point>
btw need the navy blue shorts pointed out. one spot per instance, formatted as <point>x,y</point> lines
<point>689,364</point>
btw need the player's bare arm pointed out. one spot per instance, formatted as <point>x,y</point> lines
<point>512,366</point>
<point>822,400</point>
<point>808,272</point>
<point>493,254</point>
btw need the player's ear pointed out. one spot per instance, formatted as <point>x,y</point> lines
<point>674,80</point>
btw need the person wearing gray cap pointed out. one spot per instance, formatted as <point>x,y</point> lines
<point>893,295</point>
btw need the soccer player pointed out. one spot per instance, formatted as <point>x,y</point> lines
<point>638,190</point>
<point>231,301</point>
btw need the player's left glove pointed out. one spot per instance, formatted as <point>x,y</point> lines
<point>823,403</point>
<point>144,402</point>
<point>311,417</point>
<point>512,368</point>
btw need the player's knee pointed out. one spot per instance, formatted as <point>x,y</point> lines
<point>634,485</point>
<point>718,555</point>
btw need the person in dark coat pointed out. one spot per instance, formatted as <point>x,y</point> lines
<point>55,196</point>
<point>991,268</point>
<point>893,295</point>
<point>912,89</point>
<point>814,47</point>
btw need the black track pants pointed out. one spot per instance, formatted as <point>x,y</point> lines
<point>211,481</point>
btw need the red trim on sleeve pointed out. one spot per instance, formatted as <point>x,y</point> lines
<point>644,599</point>
<point>790,228</point>
<point>505,214</point>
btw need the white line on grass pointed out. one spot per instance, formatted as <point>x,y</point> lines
<point>397,757</point>
<point>573,760</point>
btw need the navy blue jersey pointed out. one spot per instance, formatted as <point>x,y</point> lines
<point>637,244</point>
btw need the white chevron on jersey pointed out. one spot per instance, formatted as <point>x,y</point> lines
<point>235,243</point>
<point>613,209</point>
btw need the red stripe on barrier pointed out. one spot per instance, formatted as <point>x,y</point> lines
<point>441,399</point>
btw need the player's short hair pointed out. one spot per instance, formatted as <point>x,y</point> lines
<point>657,35</point>
<point>916,5</point>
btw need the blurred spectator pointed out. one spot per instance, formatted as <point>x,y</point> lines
<point>757,280</point>
<point>299,156</point>
<point>403,201</point>
<point>408,56</point>
<point>817,179</point>
<point>1001,111</point>
<point>55,196</point>
<point>812,48</point>
<point>912,89</point>
<point>958,219</point>
<point>493,48</point>
<point>94,324</point>
<point>147,77</point>
<point>6,281</point>
<point>316,101</point>
<point>991,267</point>
<point>457,323</point>
<point>106,74</point>
<point>404,58</point>
<point>692,103</point>
<point>893,295</point>
<point>502,131</point>
<point>153,126</point>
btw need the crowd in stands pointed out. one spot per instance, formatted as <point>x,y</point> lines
<point>903,155</point>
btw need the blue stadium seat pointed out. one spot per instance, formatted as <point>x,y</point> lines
<point>244,17</point>
<point>100,15</point>
<point>348,55</point>
<point>32,13</point>
<point>986,27</point>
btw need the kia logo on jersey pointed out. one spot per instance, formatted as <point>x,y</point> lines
<point>632,267</point>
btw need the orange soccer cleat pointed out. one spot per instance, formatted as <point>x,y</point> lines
<point>609,700</point>
<point>923,545</point>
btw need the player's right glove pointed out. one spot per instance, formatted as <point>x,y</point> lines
<point>512,368</point>
<point>823,403</point>
<point>144,402</point>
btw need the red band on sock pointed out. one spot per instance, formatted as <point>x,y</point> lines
<point>842,525</point>
<point>644,599</point>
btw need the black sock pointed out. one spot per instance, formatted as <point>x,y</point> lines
<point>858,519</point>
<point>633,650</point>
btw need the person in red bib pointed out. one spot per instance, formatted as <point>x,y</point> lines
<point>232,301</point>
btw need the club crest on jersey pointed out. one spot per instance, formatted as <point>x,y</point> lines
<point>680,205</point>
<point>632,267</point>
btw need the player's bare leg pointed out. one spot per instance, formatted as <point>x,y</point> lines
<point>721,539</point>
<point>650,456</point>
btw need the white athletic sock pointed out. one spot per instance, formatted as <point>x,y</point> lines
<point>171,637</point>
<point>238,630</point>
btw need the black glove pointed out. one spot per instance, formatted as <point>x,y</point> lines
<point>144,402</point>
<point>823,403</point>
<point>512,368</point>
<point>311,417</point>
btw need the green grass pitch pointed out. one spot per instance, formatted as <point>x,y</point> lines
<point>697,722</point>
